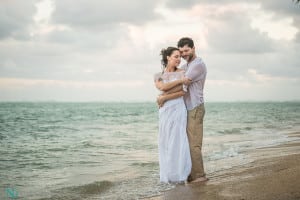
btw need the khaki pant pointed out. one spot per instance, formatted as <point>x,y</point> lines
<point>195,136</point>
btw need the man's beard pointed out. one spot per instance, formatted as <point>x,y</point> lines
<point>189,58</point>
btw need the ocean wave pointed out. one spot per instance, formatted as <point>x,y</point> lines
<point>86,144</point>
<point>55,149</point>
<point>81,191</point>
<point>145,164</point>
<point>236,130</point>
<point>91,188</point>
<point>231,131</point>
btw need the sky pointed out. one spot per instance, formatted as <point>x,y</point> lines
<point>65,50</point>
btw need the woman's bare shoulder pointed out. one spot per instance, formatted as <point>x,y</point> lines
<point>157,76</point>
<point>180,70</point>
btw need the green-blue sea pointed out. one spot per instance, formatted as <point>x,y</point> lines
<point>109,150</point>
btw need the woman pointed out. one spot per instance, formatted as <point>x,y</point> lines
<point>174,152</point>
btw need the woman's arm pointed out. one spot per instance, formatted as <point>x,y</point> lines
<point>163,98</point>
<point>167,86</point>
<point>174,89</point>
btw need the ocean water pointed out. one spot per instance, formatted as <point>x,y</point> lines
<point>109,150</point>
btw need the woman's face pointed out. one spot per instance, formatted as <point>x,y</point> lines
<point>174,59</point>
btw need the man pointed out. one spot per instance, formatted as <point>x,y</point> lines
<point>195,70</point>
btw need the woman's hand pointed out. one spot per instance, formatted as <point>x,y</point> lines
<point>160,100</point>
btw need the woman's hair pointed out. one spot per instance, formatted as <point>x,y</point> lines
<point>185,41</point>
<point>166,52</point>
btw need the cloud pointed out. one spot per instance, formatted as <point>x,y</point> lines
<point>289,8</point>
<point>273,90</point>
<point>274,12</point>
<point>280,7</point>
<point>190,3</point>
<point>235,35</point>
<point>15,18</point>
<point>102,14</point>
<point>51,90</point>
<point>23,83</point>
<point>87,41</point>
<point>92,50</point>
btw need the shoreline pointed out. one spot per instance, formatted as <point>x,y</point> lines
<point>273,174</point>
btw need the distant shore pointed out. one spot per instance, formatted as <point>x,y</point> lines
<point>273,175</point>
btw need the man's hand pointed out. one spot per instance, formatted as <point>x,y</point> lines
<point>186,81</point>
<point>160,101</point>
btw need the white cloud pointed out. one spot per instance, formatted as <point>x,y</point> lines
<point>15,18</point>
<point>45,9</point>
<point>79,50</point>
<point>23,83</point>
<point>278,29</point>
<point>168,29</point>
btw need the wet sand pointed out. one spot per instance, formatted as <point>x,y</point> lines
<point>274,174</point>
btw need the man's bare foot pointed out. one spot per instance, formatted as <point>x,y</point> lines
<point>200,179</point>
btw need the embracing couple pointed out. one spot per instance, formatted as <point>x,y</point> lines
<point>181,113</point>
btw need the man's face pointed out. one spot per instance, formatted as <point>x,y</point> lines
<point>187,53</point>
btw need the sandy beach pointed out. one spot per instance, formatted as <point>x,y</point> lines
<point>274,174</point>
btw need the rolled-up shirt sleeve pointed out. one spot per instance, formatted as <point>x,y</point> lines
<point>196,72</point>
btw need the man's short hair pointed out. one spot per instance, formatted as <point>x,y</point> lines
<point>185,41</point>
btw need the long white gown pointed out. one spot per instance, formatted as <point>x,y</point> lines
<point>174,152</point>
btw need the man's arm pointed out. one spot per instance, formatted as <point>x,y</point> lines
<point>196,72</point>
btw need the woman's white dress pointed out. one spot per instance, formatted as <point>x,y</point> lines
<point>174,152</point>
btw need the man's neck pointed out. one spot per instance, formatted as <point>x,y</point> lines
<point>193,58</point>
